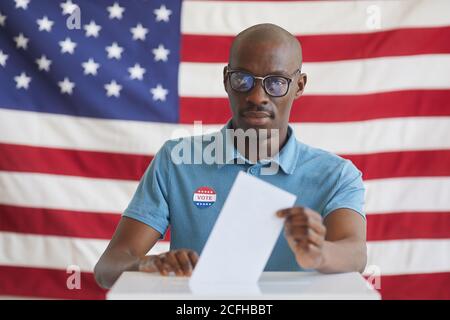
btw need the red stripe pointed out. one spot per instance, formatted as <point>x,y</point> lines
<point>373,166</point>
<point>47,283</point>
<point>415,286</point>
<point>341,108</point>
<point>402,164</point>
<point>389,226</point>
<point>72,162</point>
<point>332,47</point>
<point>408,225</point>
<point>56,222</point>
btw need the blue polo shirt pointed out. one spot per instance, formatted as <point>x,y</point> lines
<point>168,193</point>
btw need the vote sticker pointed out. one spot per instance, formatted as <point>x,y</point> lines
<point>204,197</point>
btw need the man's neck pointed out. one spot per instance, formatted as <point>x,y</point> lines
<point>264,146</point>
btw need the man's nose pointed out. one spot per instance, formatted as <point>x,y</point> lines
<point>257,96</point>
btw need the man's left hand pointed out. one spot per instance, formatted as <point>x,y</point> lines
<point>305,234</point>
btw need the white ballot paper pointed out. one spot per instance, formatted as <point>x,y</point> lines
<point>244,234</point>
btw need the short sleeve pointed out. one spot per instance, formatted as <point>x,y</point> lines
<point>149,204</point>
<point>348,192</point>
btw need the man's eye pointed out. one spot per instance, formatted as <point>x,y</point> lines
<point>243,81</point>
<point>277,82</point>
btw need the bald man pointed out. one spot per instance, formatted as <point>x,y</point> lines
<point>324,231</point>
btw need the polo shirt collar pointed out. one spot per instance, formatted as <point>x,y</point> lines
<point>287,158</point>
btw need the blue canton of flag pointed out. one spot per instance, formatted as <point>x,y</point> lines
<point>120,62</point>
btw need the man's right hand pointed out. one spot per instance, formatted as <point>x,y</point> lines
<point>181,262</point>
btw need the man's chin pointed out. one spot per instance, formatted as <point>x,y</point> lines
<point>256,122</point>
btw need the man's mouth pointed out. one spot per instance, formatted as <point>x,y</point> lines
<point>257,114</point>
<point>257,118</point>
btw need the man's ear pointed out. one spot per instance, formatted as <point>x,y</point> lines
<point>301,83</point>
<point>225,69</point>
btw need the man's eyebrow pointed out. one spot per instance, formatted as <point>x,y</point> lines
<point>280,72</point>
<point>275,72</point>
<point>240,69</point>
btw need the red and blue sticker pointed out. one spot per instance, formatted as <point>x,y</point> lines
<point>204,197</point>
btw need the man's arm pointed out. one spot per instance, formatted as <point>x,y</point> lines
<point>345,242</point>
<point>127,252</point>
<point>338,244</point>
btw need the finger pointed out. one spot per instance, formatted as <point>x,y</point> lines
<point>289,211</point>
<point>193,256</point>
<point>297,219</point>
<point>302,216</point>
<point>307,217</point>
<point>300,213</point>
<point>306,233</point>
<point>160,266</point>
<point>293,242</point>
<point>305,213</point>
<point>316,225</point>
<point>172,261</point>
<point>301,244</point>
<point>184,262</point>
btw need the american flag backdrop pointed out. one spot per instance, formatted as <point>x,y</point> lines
<point>83,107</point>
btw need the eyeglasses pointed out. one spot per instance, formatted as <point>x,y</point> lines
<point>274,85</point>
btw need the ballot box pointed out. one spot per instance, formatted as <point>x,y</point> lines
<point>271,286</point>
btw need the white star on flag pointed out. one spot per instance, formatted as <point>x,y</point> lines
<point>139,32</point>
<point>45,24</point>
<point>66,86</point>
<point>90,67</point>
<point>162,14</point>
<point>3,58</point>
<point>43,63</point>
<point>114,51</point>
<point>67,46</point>
<point>22,4</point>
<point>136,72</point>
<point>92,29</point>
<point>22,81</point>
<point>68,7</point>
<point>113,89</point>
<point>159,93</point>
<point>21,41</point>
<point>161,53</point>
<point>116,11</point>
<point>2,19</point>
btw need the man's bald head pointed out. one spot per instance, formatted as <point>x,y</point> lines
<point>266,35</point>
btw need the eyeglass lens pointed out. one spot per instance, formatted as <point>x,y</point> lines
<point>274,85</point>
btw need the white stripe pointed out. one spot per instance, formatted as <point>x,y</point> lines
<point>312,17</point>
<point>383,135</point>
<point>392,257</point>
<point>36,251</point>
<point>61,131</point>
<point>362,76</point>
<point>65,192</point>
<point>408,256</point>
<point>102,195</point>
<point>79,133</point>
<point>408,195</point>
